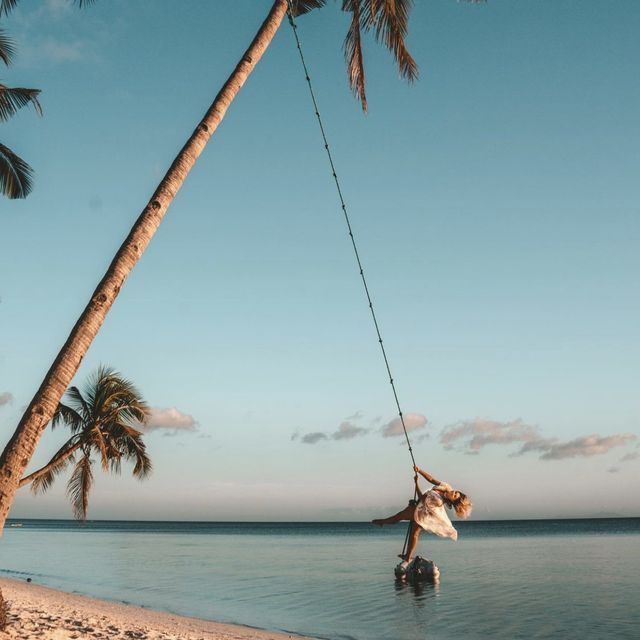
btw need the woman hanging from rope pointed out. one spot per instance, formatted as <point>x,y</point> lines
<point>428,512</point>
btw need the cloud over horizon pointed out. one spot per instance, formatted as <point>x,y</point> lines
<point>348,430</point>
<point>471,436</point>
<point>313,437</point>
<point>583,447</point>
<point>169,419</point>
<point>6,398</point>
<point>412,421</point>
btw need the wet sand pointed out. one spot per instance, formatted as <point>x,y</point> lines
<point>41,613</point>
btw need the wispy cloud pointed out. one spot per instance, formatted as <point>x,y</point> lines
<point>6,398</point>
<point>348,430</point>
<point>170,419</point>
<point>472,436</point>
<point>584,447</point>
<point>57,8</point>
<point>48,34</point>
<point>412,421</point>
<point>313,437</point>
<point>52,51</point>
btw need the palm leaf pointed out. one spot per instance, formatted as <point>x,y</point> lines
<point>7,48</point>
<point>98,441</point>
<point>389,20</point>
<point>69,416</point>
<point>16,176</point>
<point>353,52</point>
<point>137,450</point>
<point>80,405</point>
<point>59,463</point>
<point>11,100</point>
<point>304,6</point>
<point>79,487</point>
<point>6,6</point>
<point>115,465</point>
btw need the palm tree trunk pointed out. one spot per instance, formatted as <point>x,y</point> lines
<point>40,472</point>
<point>20,448</point>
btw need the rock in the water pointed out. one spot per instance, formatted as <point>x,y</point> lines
<point>419,569</point>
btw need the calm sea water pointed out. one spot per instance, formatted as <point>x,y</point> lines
<point>501,580</point>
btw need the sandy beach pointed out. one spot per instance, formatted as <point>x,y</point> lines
<point>37,612</point>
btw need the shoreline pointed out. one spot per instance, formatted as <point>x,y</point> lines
<point>36,611</point>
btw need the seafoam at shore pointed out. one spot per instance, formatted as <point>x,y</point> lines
<point>41,613</point>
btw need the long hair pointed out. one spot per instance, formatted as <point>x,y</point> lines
<point>462,506</point>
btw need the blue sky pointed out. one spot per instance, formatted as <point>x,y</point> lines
<point>495,203</point>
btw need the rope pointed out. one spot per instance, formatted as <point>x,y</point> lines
<point>349,228</point>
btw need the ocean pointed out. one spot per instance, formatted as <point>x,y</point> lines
<point>501,580</point>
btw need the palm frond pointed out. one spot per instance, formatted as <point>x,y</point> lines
<point>137,450</point>
<point>96,438</point>
<point>79,487</point>
<point>389,20</point>
<point>119,399</point>
<point>13,99</point>
<point>98,389</point>
<point>7,6</point>
<point>304,6</point>
<point>79,404</point>
<point>69,416</point>
<point>7,48</point>
<point>16,176</point>
<point>353,52</point>
<point>58,463</point>
<point>115,465</point>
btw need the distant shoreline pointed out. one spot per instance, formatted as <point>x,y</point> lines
<point>327,523</point>
<point>41,612</point>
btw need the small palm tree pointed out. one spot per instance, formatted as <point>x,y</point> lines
<point>103,422</point>
<point>15,174</point>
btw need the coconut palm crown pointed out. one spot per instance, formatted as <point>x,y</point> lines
<point>104,421</point>
<point>16,175</point>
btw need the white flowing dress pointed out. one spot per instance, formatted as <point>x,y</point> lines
<point>430,514</point>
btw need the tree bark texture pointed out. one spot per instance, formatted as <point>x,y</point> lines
<point>20,448</point>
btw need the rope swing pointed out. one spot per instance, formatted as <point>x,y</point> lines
<point>350,231</point>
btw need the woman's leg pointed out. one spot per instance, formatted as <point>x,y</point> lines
<point>405,514</point>
<point>413,541</point>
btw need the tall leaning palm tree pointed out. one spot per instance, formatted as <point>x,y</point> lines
<point>15,174</point>
<point>386,19</point>
<point>104,422</point>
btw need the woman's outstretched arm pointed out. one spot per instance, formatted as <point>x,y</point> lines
<point>428,477</point>
<point>418,491</point>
